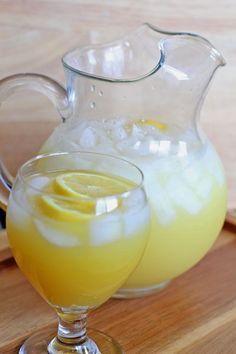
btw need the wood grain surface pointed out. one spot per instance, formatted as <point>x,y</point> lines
<point>5,252</point>
<point>35,34</point>
<point>195,314</point>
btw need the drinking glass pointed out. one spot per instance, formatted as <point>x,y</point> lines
<point>77,224</point>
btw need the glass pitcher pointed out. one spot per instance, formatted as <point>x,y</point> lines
<point>139,97</point>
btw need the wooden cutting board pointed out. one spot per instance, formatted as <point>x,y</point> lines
<point>195,314</point>
<point>5,252</point>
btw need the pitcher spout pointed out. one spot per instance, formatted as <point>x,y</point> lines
<point>217,57</point>
<point>212,52</point>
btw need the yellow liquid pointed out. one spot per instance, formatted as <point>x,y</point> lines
<point>174,249</point>
<point>195,206</point>
<point>77,262</point>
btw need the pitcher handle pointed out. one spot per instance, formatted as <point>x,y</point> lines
<point>40,83</point>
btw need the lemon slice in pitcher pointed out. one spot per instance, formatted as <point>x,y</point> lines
<point>154,123</point>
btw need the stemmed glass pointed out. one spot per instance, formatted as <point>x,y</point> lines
<point>77,224</point>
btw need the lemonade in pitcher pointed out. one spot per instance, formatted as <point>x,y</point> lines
<point>186,191</point>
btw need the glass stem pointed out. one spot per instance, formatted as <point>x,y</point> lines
<point>71,335</point>
<point>72,327</point>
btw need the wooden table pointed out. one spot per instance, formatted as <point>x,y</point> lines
<point>195,314</point>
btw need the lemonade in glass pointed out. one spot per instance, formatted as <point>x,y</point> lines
<point>77,224</point>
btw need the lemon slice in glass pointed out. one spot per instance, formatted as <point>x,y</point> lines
<point>83,193</point>
<point>63,210</point>
<point>85,184</point>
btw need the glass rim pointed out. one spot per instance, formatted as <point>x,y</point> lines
<point>131,190</point>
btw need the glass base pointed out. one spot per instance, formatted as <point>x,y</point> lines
<point>99,343</point>
<point>140,292</point>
